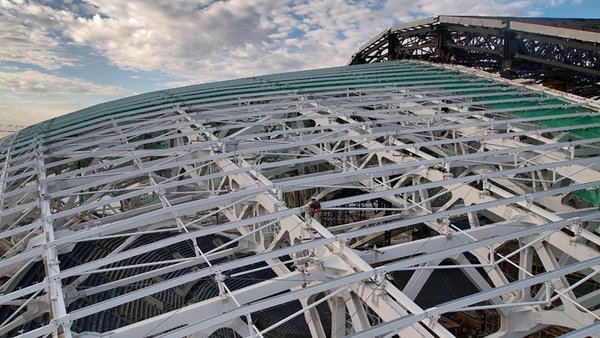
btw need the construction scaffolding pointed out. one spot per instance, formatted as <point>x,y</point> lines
<point>449,197</point>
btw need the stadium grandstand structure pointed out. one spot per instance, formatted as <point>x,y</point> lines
<point>452,200</point>
<point>562,53</point>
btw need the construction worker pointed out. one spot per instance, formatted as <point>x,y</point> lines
<point>314,209</point>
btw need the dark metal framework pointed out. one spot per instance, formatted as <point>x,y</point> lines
<point>562,53</point>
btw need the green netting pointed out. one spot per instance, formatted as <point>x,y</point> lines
<point>587,134</point>
<point>584,133</point>
<point>574,121</point>
<point>590,196</point>
<point>553,101</point>
<point>491,93</point>
<point>149,198</point>
<point>519,104</point>
<point>545,112</point>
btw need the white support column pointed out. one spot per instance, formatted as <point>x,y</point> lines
<point>526,263</point>
<point>418,279</point>
<point>51,263</point>
<point>338,317</point>
<point>313,320</point>
<point>358,315</point>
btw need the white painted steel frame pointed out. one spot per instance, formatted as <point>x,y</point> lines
<point>234,164</point>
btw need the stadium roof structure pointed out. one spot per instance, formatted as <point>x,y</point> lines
<point>182,212</point>
<point>561,52</point>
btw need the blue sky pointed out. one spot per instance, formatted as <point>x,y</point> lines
<point>60,56</point>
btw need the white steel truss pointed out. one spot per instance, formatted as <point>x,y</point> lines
<point>183,212</point>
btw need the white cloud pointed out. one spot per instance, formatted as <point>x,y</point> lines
<point>11,115</point>
<point>210,40</point>
<point>202,40</point>
<point>30,34</point>
<point>192,41</point>
<point>34,82</point>
<point>173,37</point>
<point>220,40</point>
<point>216,40</point>
<point>429,8</point>
<point>28,97</point>
<point>554,3</point>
